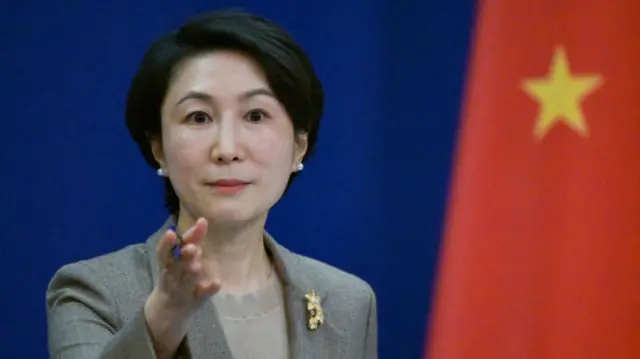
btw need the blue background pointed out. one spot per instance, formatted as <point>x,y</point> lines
<point>371,201</point>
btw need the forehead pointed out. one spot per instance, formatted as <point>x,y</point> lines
<point>219,73</point>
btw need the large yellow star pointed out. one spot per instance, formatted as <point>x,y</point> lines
<point>560,94</point>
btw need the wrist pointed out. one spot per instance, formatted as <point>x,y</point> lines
<point>167,325</point>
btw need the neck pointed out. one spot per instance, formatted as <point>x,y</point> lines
<point>235,253</point>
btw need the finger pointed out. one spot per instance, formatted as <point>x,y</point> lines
<point>176,247</point>
<point>182,273</point>
<point>197,232</point>
<point>207,288</point>
<point>209,283</point>
<point>187,265</point>
<point>192,260</point>
<point>192,268</point>
<point>189,252</point>
<point>163,248</point>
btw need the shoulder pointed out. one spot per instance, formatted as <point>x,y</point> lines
<point>123,262</point>
<point>333,279</point>
<point>309,272</point>
<point>127,267</point>
<point>89,300</point>
<point>111,276</point>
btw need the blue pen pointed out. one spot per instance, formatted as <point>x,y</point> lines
<point>176,249</point>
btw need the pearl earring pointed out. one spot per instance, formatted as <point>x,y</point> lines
<point>300,167</point>
<point>162,172</point>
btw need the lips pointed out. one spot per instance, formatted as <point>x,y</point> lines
<point>232,182</point>
<point>228,186</point>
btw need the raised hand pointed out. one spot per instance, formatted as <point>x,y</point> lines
<point>185,282</point>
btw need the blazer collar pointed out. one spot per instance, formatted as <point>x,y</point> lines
<point>206,337</point>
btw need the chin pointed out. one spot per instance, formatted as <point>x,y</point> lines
<point>232,214</point>
<point>232,210</point>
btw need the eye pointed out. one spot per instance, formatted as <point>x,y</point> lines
<point>198,117</point>
<point>256,116</point>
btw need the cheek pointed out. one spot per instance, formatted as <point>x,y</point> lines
<point>274,153</point>
<point>184,155</point>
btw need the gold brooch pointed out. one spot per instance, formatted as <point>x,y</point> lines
<point>314,309</point>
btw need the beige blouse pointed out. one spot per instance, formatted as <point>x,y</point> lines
<point>254,324</point>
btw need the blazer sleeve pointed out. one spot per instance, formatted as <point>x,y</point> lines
<point>371,338</point>
<point>83,322</point>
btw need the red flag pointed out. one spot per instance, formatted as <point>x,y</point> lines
<point>541,256</point>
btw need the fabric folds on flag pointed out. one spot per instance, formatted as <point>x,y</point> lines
<point>541,253</point>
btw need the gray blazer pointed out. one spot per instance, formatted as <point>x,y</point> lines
<point>95,309</point>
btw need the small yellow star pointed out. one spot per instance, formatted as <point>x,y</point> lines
<point>560,94</point>
<point>312,297</point>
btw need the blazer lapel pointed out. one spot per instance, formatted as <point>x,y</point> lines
<point>304,343</point>
<point>205,338</point>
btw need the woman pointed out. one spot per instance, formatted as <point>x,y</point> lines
<point>226,109</point>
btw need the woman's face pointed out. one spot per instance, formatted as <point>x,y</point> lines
<point>227,143</point>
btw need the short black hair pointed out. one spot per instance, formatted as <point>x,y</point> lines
<point>288,70</point>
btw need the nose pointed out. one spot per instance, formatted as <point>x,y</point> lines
<point>225,148</point>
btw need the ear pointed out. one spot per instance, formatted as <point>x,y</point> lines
<point>157,151</point>
<point>301,143</point>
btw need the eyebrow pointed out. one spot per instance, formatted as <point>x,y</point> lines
<point>201,96</point>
